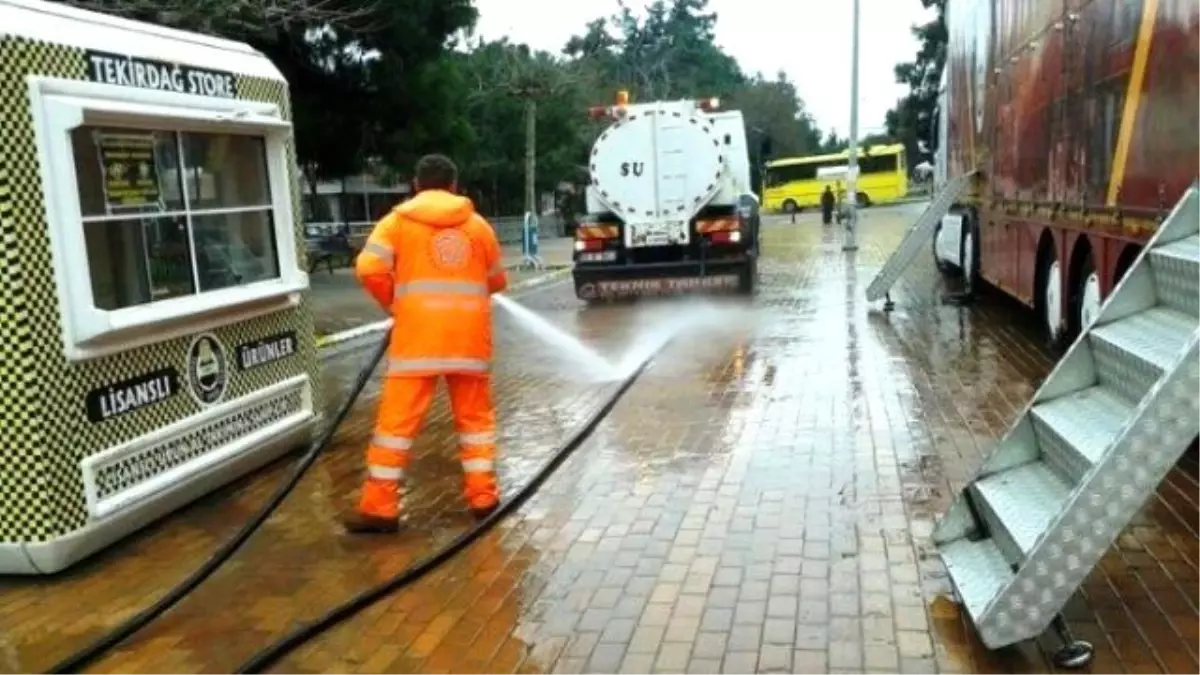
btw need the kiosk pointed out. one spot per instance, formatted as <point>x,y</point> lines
<point>155,337</point>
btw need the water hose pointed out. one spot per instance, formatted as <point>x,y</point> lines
<point>76,662</point>
<point>280,648</point>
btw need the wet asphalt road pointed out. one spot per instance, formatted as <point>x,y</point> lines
<point>761,500</point>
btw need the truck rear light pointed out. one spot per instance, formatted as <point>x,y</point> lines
<point>709,104</point>
<point>726,237</point>
<point>707,225</point>
<point>589,244</point>
<point>592,231</point>
<point>598,112</point>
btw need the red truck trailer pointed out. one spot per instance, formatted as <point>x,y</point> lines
<point>1068,143</point>
<point>1079,119</point>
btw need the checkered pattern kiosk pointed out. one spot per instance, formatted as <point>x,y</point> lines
<point>155,337</point>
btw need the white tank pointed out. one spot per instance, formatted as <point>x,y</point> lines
<point>660,163</point>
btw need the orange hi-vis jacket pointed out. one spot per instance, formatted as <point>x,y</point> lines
<point>434,263</point>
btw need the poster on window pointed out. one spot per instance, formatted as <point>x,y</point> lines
<point>130,171</point>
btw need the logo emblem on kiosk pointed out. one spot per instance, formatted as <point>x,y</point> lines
<point>207,369</point>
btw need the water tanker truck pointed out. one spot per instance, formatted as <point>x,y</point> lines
<point>669,205</point>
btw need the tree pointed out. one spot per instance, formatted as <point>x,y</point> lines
<point>670,54</point>
<point>911,122</point>
<point>229,18</point>
<point>367,77</point>
<point>500,77</point>
<point>773,109</point>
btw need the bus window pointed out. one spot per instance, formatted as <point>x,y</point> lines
<point>779,175</point>
<point>877,164</point>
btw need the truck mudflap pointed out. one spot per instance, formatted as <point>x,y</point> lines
<point>613,282</point>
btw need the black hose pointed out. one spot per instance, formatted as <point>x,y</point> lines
<point>272,653</point>
<point>84,657</point>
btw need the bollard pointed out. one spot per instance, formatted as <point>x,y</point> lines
<point>529,242</point>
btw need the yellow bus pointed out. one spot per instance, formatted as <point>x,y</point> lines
<point>796,183</point>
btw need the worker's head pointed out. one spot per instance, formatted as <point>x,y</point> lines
<point>435,172</point>
<point>828,188</point>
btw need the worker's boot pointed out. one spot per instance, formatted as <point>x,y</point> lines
<point>378,509</point>
<point>482,493</point>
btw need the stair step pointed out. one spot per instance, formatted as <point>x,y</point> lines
<point>1023,536</point>
<point>1073,431</point>
<point>1176,269</point>
<point>1132,353</point>
<point>978,570</point>
<point>1018,505</point>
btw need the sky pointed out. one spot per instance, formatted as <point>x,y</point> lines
<point>807,39</point>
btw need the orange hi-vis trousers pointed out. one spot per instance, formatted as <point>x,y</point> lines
<point>402,409</point>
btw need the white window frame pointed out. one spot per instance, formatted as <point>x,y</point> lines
<point>58,106</point>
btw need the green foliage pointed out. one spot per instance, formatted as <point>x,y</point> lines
<point>912,120</point>
<point>376,83</point>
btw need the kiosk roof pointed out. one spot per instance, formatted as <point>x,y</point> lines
<point>60,24</point>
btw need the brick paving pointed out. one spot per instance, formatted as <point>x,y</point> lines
<point>760,502</point>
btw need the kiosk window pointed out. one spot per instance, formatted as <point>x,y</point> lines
<point>170,214</point>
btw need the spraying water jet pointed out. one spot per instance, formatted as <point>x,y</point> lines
<point>582,355</point>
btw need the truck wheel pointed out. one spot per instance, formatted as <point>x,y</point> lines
<point>789,206</point>
<point>943,266</point>
<point>863,200</point>
<point>748,278</point>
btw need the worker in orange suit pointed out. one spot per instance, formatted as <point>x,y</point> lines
<point>433,264</point>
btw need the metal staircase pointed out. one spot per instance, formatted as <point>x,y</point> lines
<point>1098,437</point>
<point>916,240</point>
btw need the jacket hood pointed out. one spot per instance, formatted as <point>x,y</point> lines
<point>437,208</point>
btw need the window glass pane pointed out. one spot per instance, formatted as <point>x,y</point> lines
<point>317,209</point>
<point>235,248</point>
<point>225,170</point>
<point>381,203</point>
<point>877,164</point>
<point>121,171</point>
<point>133,262</point>
<point>354,207</point>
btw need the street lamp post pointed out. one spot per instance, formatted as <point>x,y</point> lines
<point>850,242</point>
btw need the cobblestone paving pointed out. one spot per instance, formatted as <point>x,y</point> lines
<point>760,501</point>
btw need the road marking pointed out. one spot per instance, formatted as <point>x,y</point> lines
<point>539,282</point>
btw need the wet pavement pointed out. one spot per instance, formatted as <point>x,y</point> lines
<point>339,303</point>
<point>761,500</point>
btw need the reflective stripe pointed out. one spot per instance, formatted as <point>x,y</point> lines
<point>448,287</point>
<point>385,472</point>
<point>391,442</point>
<point>477,465</point>
<point>382,251</point>
<point>479,438</point>
<point>439,365</point>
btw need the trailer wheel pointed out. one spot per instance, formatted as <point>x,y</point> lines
<point>1088,299</point>
<point>968,255</point>
<point>1048,289</point>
